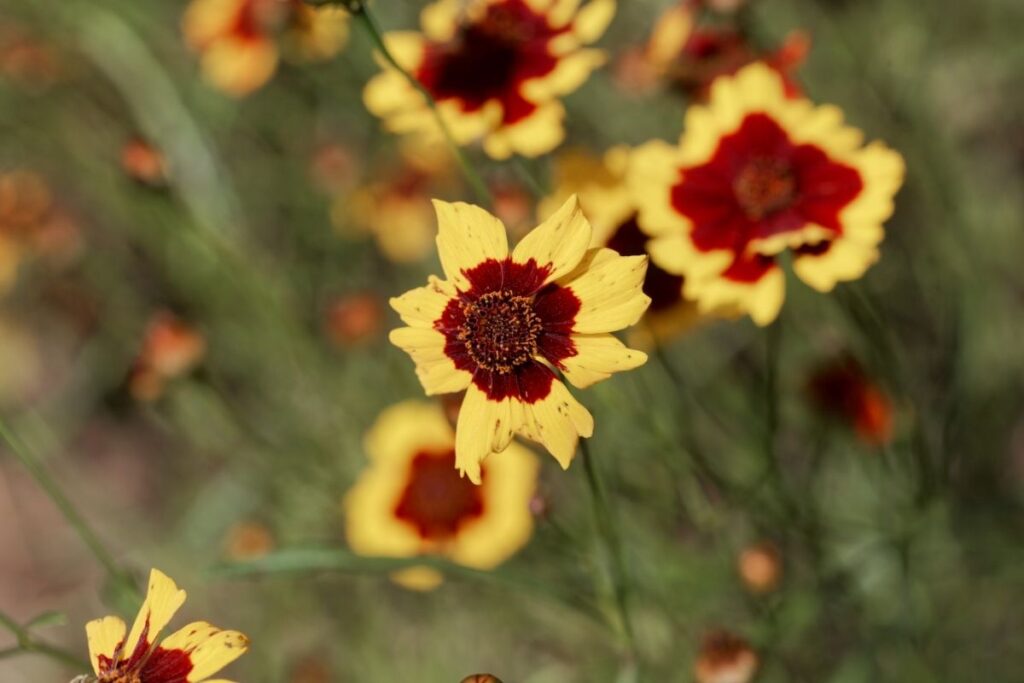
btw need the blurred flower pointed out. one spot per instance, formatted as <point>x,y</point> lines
<point>311,670</point>
<point>410,501</point>
<point>333,167</point>
<point>496,69</point>
<point>27,61</point>
<point>690,57</point>
<point>237,39</point>
<point>760,567</point>
<point>513,206</point>
<point>843,389</point>
<point>481,678</point>
<point>144,162</point>
<point>725,658</point>
<point>170,348</point>
<point>600,184</point>
<point>248,540</point>
<point>500,322</point>
<point>192,654</point>
<point>757,174</point>
<point>396,210</point>
<point>354,319</point>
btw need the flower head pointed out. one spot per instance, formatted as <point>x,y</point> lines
<point>725,658</point>
<point>190,655</point>
<point>757,174</point>
<point>496,69</point>
<point>606,200</point>
<point>411,501</point>
<point>502,322</point>
<point>843,389</point>
<point>760,567</point>
<point>171,348</point>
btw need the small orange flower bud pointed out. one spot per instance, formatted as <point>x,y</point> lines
<point>512,205</point>
<point>481,678</point>
<point>333,167</point>
<point>248,540</point>
<point>354,319</point>
<point>760,567</point>
<point>725,658</point>
<point>143,162</point>
<point>170,348</point>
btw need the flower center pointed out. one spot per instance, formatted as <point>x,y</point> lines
<point>500,331</point>
<point>436,500</point>
<point>764,186</point>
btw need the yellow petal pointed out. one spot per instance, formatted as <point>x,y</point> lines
<point>418,578</point>
<point>484,427</point>
<point>104,635</point>
<point>597,357</point>
<point>210,649</point>
<point>537,134</point>
<point>845,260</point>
<point>557,421</point>
<point>610,290</point>
<point>466,237</point>
<point>592,21</point>
<point>568,75</point>
<point>436,371</point>
<point>162,600</point>
<point>238,67</point>
<point>670,34</point>
<point>423,306</point>
<point>406,428</point>
<point>441,19</point>
<point>559,243</point>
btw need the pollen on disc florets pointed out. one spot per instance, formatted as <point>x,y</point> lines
<point>500,330</point>
<point>765,186</point>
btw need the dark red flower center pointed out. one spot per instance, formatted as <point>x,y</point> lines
<point>490,59</point>
<point>764,186</point>
<point>665,289</point>
<point>500,330</point>
<point>759,184</point>
<point>506,321</point>
<point>437,501</point>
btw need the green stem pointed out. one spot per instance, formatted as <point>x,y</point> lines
<point>362,14</point>
<point>38,471</point>
<point>612,547</point>
<point>29,645</point>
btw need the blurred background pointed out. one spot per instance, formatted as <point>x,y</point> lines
<point>193,344</point>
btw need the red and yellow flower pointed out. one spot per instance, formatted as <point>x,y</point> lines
<point>501,323</point>
<point>238,39</point>
<point>608,203</point>
<point>411,501</point>
<point>190,655</point>
<point>496,69</point>
<point>757,174</point>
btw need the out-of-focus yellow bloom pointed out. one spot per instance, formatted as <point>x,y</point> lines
<point>190,655</point>
<point>411,501</point>
<point>496,68</point>
<point>238,39</point>
<point>725,658</point>
<point>396,209</point>
<point>607,202</point>
<point>757,174</point>
<point>170,348</point>
<point>503,322</point>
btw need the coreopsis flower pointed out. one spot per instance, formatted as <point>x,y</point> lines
<point>844,390</point>
<point>496,69</point>
<point>725,658</point>
<point>609,205</point>
<point>411,501</point>
<point>170,348</point>
<point>501,323</point>
<point>190,655</point>
<point>689,56</point>
<point>760,567</point>
<point>757,174</point>
<point>237,40</point>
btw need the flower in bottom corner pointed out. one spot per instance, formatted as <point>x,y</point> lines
<point>503,322</point>
<point>411,501</point>
<point>755,176</point>
<point>190,655</point>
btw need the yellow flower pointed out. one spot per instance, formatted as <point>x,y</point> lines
<point>756,175</point>
<point>190,655</point>
<point>606,200</point>
<point>237,39</point>
<point>496,69</point>
<point>500,323</point>
<point>411,501</point>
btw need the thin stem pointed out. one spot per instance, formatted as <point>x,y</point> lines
<point>362,14</point>
<point>608,531</point>
<point>29,645</point>
<point>38,471</point>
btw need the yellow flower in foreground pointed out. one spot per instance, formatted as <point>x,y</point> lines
<point>502,322</point>
<point>411,501</point>
<point>190,655</point>
<point>496,69</point>
<point>609,205</point>
<point>756,175</point>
